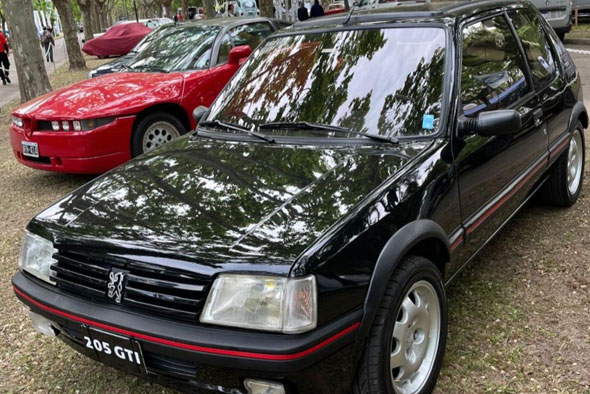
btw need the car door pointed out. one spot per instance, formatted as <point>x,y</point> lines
<point>202,86</point>
<point>495,173</point>
<point>549,79</point>
<point>250,34</point>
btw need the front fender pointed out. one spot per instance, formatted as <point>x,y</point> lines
<point>577,110</point>
<point>394,250</point>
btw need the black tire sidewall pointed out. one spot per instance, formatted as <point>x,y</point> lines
<point>141,127</point>
<point>424,270</point>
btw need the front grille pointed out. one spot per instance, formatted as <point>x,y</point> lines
<point>44,125</point>
<point>167,365</point>
<point>40,159</point>
<point>152,288</point>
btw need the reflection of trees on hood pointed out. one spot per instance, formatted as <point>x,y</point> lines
<point>223,198</point>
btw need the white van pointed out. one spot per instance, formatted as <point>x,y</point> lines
<point>558,13</point>
<point>245,8</point>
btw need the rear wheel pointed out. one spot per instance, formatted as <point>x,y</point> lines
<point>405,348</point>
<point>154,131</point>
<point>565,181</point>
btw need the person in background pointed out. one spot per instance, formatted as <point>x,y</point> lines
<point>48,43</point>
<point>302,13</point>
<point>316,9</point>
<point>175,18</point>
<point>4,63</point>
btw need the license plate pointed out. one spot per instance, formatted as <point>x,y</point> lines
<point>115,349</point>
<point>30,149</point>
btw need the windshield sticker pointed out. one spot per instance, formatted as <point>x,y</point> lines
<point>428,122</point>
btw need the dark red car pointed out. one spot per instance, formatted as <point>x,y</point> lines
<point>97,124</point>
<point>117,41</point>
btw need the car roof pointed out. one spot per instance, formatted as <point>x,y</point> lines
<point>225,21</point>
<point>432,11</point>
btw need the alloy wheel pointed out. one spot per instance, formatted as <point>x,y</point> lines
<point>575,162</point>
<point>158,134</point>
<point>416,334</point>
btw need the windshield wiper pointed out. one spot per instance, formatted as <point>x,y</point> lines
<point>236,127</point>
<point>326,127</point>
<point>149,68</point>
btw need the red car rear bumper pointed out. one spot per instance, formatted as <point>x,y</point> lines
<point>85,152</point>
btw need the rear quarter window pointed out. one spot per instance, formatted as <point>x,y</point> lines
<point>536,46</point>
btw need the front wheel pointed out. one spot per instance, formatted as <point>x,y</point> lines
<point>404,351</point>
<point>154,131</point>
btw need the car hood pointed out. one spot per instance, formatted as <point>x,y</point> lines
<point>224,201</point>
<point>109,95</point>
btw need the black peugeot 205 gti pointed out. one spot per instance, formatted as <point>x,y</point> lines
<point>300,240</point>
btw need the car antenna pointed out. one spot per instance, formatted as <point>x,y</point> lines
<point>350,14</point>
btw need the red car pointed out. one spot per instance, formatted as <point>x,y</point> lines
<point>97,124</point>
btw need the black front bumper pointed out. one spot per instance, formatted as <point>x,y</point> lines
<point>201,358</point>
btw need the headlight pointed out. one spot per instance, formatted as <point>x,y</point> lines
<point>36,256</point>
<point>90,124</point>
<point>18,122</point>
<point>287,305</point>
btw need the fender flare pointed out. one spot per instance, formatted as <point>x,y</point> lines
<point>394,250</point>
<point>577,110</point>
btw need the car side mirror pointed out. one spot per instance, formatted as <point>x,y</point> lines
<point>492,123</point>
<point>238,53</point>
<point>199,113</point>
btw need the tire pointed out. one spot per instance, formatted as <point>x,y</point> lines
<point>558,190</point>
<point>414,275</point>
<point>163,128</point>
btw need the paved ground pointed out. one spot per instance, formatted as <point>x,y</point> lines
<point>581,56</point>
<point>11,92</point>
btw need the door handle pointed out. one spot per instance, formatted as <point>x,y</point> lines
<point>538,117</point>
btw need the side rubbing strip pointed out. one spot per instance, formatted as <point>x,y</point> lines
<point>509,192</point>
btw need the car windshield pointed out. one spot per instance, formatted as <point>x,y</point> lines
<point>152,36</point>
<point>186,48</point>
<point>386,82</point>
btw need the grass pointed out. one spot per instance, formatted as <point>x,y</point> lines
<point>580,31</point>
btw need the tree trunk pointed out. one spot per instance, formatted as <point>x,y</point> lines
<point>86,19</point>
<point>95,20</point>
<point>168,6</point>
<point>209,8</point>
<point>266,8</point>
<point>185,10</point>
<point>30,66</point>
<point>70,31</point>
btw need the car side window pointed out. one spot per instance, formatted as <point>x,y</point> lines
<point>251,34</point>
<point>224,47</point>
<point>492,73</point>
<point>536,47</point>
